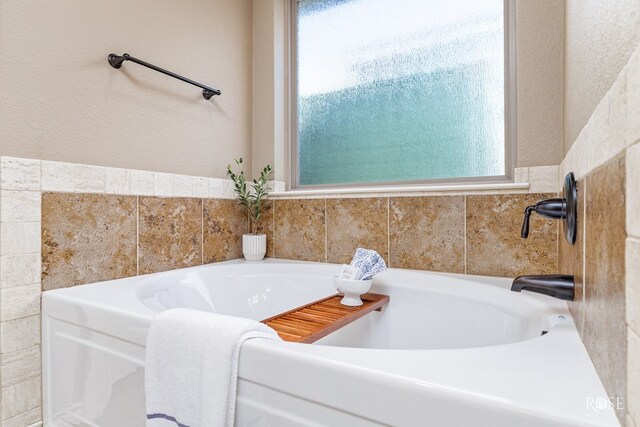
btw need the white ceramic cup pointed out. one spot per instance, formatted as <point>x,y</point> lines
<point>352,289</point>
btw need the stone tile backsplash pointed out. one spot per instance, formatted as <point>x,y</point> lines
<point>571,259</point>
<point>225,221</point>
<point>169,233</point>
<point>606,161</point>
<point>494,245</point>
<point>361,222</point>
<point>604,305</point>
<point>87,238</point>
<point>94,237</point>
<point>422,232</point>
<point>427,233</point>
<point>300,229</point>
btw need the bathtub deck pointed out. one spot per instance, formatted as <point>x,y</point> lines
<point>311,322</point>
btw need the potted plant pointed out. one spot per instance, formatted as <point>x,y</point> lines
<point>251,195</point>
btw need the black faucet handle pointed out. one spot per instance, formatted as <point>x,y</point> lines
<point>525,225</point>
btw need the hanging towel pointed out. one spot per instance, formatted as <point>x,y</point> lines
<point>191,368</point>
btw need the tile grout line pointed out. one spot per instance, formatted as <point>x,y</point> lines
<point>326,232</point>
<point>137,235</point>
<point>273,228</point>
<point>584,256</point>
<point>464,238</point>
<point>201,231</point>
<point>389,231</point>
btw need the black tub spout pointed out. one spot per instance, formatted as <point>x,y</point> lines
<point>560,286</point>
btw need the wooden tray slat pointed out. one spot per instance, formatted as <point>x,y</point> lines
<point>318,319</point>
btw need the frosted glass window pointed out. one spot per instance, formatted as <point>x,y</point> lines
<point>399,90</point>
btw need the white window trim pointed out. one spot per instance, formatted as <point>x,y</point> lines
<point>489,181</point>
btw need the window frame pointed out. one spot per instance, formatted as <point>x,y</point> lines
<point>510,106</point>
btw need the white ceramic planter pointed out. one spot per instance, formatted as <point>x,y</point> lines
<point>254,246</point>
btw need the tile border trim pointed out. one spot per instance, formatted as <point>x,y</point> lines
<point>21,174</point>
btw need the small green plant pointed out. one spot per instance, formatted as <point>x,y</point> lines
<point>252,194</point>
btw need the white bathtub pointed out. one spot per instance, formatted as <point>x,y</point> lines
<point>449,350</point>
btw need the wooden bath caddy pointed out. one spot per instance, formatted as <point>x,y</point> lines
<point>309,323</point>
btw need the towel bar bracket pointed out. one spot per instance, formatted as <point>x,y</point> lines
<point>116,60</point>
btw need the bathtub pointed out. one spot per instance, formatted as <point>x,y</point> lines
<point>448,350</point>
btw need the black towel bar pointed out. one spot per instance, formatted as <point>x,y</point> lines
<point>116,62</point>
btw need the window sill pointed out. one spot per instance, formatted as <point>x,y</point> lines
<point>500,187</point>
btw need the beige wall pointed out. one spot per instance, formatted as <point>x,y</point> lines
<point>78,109</point>
<point>270,124</point>
<point>600,37</point>
<point>539,38</point>
<point>60,99</point>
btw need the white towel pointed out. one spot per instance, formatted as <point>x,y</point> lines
<point>191,368</point>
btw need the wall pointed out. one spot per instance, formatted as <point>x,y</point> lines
<point>62,101</point>
<point>600,37</point>
<point>67,224</point>
<point>448,233</point>
<point>270,122</point>
<point>539,38</point>
<point>606,257</point>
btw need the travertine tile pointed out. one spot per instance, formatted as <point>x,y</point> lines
<point>300,229</point>
<point>570,260</point>
<point>354,223</point>
<point>633,98</point>
<point>163,184</point>
<point>427,233</point>
<point>229,191</point>
<point>88,179</point>
<point>117,181</point>
<point>19,238</point>
<point>599,143</point>
<point>633,190</point>
<point>580,155</point>
<point>141,183</point>
<point>604,331</point>
<point>20,333</point>
<point>21,365</point>
<point>21,397</point>
<point>216,188</point>
<point>19,270</point>
<point>19,301</point>
<point>19,174</point>
<point>225,221</point>
<point>618,114</point>
<point>494,245</point>
<point>277,186</point>
<point>521,175</point>
<point>543,179</point>
<point>266,225</point>
<point>200,187</point>
<point>30,418</point>
<point>633,375</point>
<point>87,238</point>
<point>632,279</point>
<point>182,186</point>
<point>20,206</point>
<point>170,233</point>
<point>57,176</point>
